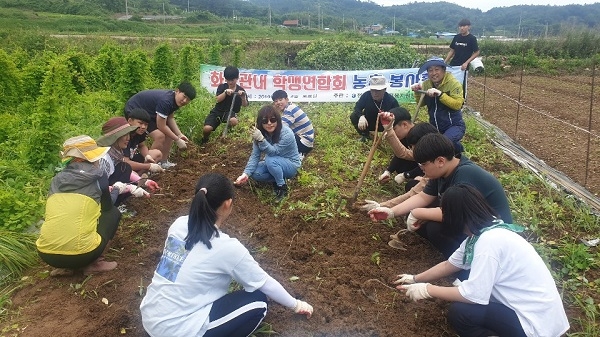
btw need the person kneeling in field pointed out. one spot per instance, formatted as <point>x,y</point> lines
<point>509,292</point>
<point>278,144</point>
<point>137,155</point>
<point>189,294</point>
<point>80,217</point>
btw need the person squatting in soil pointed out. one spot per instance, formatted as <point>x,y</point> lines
<point>402,162</point>
<point>228,93</point>
<point>276,141</point>
<point>80,218</point>
<point>137,154</point>
<point>189,294</point>
<point>509,291</point>
<point>116,134</point>
<point>444,100</point>
<point>435,154</point>
<point>369,105</point>
<point>161,104</point>
<point>297,120</point>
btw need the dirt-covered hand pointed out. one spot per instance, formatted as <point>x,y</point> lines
<point>152,185</point>
<point>369,205</point>
<point>362,123</point>
<point>412,223</point>
<point>433,92</point>
<point>387,120</point>
<point>303,308</point>
<point>181,143</point>
<point>385,176</point>
<point>400,178</point>
<point>257,135</point>
<point>241,179</point>
<point>417,291</point>
<point>381,213</point>
<point>154,168</point>
<point>405,279</point>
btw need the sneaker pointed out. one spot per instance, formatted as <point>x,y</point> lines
<point>280,192</point>
<point>167,164</point>
<point>123,209</point>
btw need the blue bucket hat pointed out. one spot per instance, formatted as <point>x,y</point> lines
<point>434,61</point>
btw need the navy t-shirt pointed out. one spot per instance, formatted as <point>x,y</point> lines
<point>153,101</point>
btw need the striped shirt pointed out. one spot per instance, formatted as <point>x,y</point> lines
<point>298,121</point>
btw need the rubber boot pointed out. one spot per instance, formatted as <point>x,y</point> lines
<point>280,192</point>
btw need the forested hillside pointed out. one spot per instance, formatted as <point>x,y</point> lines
<point>420,18</point>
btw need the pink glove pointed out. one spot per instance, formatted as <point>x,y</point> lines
<point>303,308</point>
<point>387,120</point>
<point>152,185</point>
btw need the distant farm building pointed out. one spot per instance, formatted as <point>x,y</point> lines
<point>291,23</point>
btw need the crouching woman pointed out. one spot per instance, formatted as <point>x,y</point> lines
<point>189,294</point>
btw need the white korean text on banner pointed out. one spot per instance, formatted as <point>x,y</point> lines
<point>318,85</point>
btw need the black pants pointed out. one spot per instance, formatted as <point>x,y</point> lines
<point>432,231</point>
<point>251,309</point>
<point>476,320</point>
<point>123,174</point>
<point>401,165</point>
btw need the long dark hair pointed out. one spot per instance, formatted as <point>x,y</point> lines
<point>267,112</point>
<point>464,207</point>
<point>211,191</point>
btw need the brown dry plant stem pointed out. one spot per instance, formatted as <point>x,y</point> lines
<point>376,140</point>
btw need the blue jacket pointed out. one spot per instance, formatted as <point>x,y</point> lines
<point>286,148</point>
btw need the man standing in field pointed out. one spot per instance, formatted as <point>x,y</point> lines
<point>161,105</point>
<point>297,120</point>
<point>463,48</point>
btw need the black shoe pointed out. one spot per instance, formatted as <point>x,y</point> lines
<point>364,139</point>
<point>204,140</point>
<point>280,192</point>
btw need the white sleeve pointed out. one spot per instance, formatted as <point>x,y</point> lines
<point>277,293</point>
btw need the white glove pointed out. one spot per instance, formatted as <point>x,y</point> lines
<point>410,221</point>
<point>156,168</point>
<point>369,205</point>
<point>241,179</point>
<point>303,308</point>
<point>417,291</point>
<point>405,279</point>
<point>137,191</point>
<point>400,179</point>
<point>384,177</point>
<point>122,187</point>
<point>362,123</point>
<point>433,92</point>
<point>382,213</point>
<point>257,135</point>
<point>181,143</point>
<point>149,159</point>
<point>416,86</point>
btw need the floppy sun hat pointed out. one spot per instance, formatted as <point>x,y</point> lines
<point>434,61</point>
<point>83,147</point>
<point>114,129</point>
<point>377,82</point>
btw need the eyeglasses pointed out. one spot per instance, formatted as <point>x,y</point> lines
<point>271,120</point>
<point>425,163</point>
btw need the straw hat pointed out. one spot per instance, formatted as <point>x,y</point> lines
<point>83,147</point>
<point>114,129</point>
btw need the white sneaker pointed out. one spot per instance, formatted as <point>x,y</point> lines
<point>122,209</point>
<point>167,164</point>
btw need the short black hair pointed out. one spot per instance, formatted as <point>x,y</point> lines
<point>139,113</point>
<point>400,115</point>
<point>464,22</point>
<point>418,131</point>
<point>188,89</point>
<point>279,94</point>
<point>431,146</point>
<point>231,73</point>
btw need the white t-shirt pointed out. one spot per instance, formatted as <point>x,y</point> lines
<point>508,270</point>
<point>186,283</point>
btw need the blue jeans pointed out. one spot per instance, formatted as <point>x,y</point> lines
<point>274,169</point>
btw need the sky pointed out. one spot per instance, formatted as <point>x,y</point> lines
<point>485,5</point>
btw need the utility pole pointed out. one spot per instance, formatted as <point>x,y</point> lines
<point>126,10</point>
<point>519,31</point>
<point>308,20</point>
<point>164,14</point>
<point>269,14</point>
<point>394,23</point>
<point>188,6</point>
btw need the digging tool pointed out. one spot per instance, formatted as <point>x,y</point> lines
<point>422,92</point>
<point>376,140</point>
<point>229,115</point>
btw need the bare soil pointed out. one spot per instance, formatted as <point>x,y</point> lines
<point>343,265</point>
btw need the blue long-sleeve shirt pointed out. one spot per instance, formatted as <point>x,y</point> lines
<point>286,148</point>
